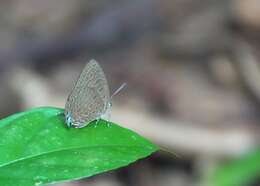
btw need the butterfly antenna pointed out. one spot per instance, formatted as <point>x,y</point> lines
<point>118,90</point>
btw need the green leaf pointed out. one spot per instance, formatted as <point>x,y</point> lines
<point>239,172</point>
<point>37,148</point>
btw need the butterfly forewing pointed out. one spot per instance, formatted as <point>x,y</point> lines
<point>90,96</point>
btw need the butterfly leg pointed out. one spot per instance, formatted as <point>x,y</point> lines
<point>108,123</point>
<point>96,123</point>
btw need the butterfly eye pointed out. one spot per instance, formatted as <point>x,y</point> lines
<point>68,119</point>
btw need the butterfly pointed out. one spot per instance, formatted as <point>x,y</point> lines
<point>90,98</point>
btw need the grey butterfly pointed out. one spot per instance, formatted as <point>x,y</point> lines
<point>90,99</point>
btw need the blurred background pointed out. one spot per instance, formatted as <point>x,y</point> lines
<point>192,71</point>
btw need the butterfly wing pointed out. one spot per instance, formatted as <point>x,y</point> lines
<point>90,96</point>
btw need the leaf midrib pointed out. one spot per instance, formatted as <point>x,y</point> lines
<point>67,149</point>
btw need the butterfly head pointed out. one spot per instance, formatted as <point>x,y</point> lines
<point>71,122</point>
<point>68,120</point>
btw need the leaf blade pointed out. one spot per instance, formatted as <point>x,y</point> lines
<point>39,147</point>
